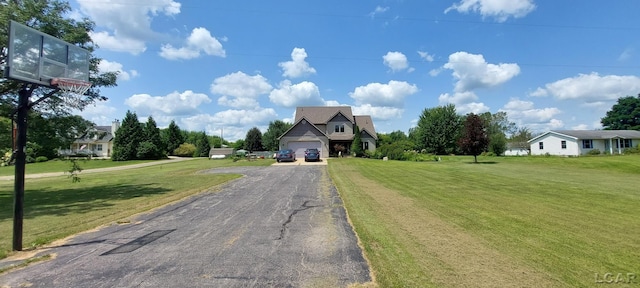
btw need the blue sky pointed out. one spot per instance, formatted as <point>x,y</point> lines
<point>229,66</point>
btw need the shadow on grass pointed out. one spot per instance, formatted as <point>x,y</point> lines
<point>60,202</point>
<point>483,162</point>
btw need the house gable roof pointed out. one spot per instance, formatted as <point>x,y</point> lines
<point>591,134</point>
<point>298,123</point>
<point>103,134</point>
<point>366,124</point>
<point>322,114</point>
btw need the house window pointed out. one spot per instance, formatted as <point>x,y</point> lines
<point>366,145</point>
<point>587,144</point>
<point>624,143</point>
<point>563,144</point>
<point>541,145</point>
<point>339,128</point>
<point>99,147</point>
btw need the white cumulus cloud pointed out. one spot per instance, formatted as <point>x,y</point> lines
<point>240,90</point>
<point>524,113</point>
<point>465,102</point>
<point>591,88</point>
<point>292,95</point>
<point>200,41</point>
<point>396,61</point>
<point>472,71</point>
<point>391,94</point>
<point>173,104</point>
<point>108,66</point>
<point>298,66</point>
<point>501,10</point>
<point>378,113</point>
<point>126,27</point>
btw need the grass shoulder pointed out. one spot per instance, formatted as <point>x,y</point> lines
<point>540,221</point>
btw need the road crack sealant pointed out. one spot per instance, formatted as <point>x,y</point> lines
<point>304,206</point>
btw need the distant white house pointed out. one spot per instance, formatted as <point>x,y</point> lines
<point>97,141</point>
<point>580,142</point>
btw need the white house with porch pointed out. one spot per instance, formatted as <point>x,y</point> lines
<point>97,141</point>
<point>580,142</point>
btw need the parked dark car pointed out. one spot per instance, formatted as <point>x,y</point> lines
<point>311,155</point>
<point>286,155</point>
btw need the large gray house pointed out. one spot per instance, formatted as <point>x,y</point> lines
<point>326,128</point>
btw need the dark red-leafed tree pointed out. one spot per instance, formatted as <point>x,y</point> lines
<point>474,138</point>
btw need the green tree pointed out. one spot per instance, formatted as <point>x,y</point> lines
<point>356,145</point>
<point>48,16</point>
<point>216,141</point>
<point>275,130</point>
<point>185,150</point>
<point>624,115</point>
<point>474,139</point>
<point>55,132</point>
<point>253,140</point>
<point>127,138</point>
<point>498,127</point>
<point>438,130</point>
<point>395,150</point>
<point>152,147</point>
<point>520,139</point>
<point>497,143</point>
<point>202,145</point>
<point>173,137</point>
<point>6,131</point>
<point>239,144</point>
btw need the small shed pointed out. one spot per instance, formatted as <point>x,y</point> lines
<point>220,153</point>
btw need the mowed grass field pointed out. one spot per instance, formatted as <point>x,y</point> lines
<point>55,207</point>
<point>506,222</point>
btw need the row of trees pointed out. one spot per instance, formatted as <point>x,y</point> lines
<point>441,131</point>
<point>135,140</point>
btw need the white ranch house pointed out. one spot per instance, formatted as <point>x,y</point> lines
<point>580,142</point>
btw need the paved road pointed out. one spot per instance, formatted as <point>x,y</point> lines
<point>280,226</point>
<point>99,170</point>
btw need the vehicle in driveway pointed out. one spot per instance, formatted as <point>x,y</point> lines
<point>311,154</point>
<point>286,155</point>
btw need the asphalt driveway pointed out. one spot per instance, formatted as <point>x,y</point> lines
<point>279,226</point>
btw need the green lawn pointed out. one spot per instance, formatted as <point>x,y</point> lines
<point>55,207</point>
<point>518,221</point>
<point>63,166</point>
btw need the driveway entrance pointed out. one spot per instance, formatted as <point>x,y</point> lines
<point>279,226</point>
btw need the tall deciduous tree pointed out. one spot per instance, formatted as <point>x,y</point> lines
<point>48,16</point>
<point>173,137</point>
<point>474,138</point>
<point>275,130</point>
<point>128,138</point>
<point>498,127</point>
<point>253,141</point>
<point>438,130</point>
<point>55,131</point>
<point>520,139</point>
<point>624,115</point>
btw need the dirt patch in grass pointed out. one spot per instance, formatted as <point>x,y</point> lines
<point>448,254</point>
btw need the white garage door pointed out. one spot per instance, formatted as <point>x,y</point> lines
<point>300,146</point>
